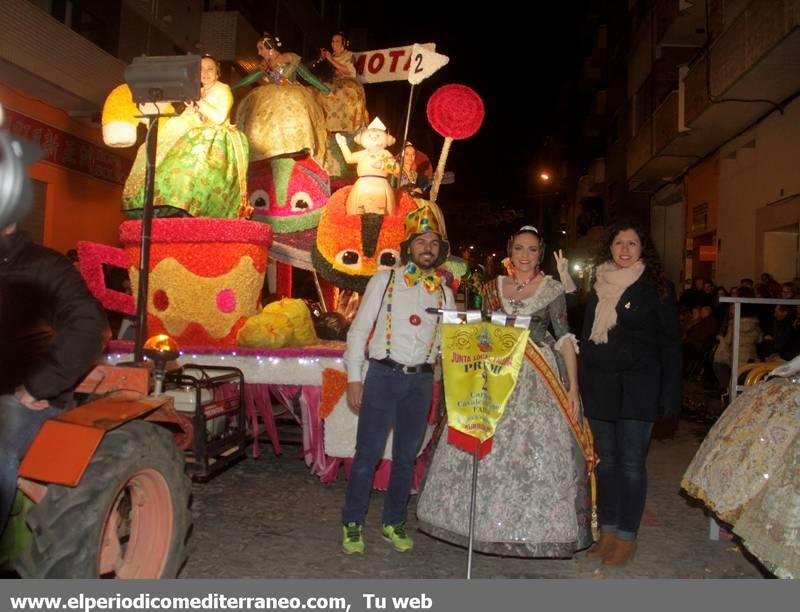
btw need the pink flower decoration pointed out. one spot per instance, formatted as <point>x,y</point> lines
<point>226,301</point>
<point>160,300</point>
<point>201,229</point>
<point>92,256</point>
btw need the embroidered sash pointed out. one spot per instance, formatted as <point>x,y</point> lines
<point>491,297</point>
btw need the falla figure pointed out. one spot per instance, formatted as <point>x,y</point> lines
<point>371,192</point>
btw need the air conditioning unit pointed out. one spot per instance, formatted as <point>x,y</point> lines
<point>683,70</point>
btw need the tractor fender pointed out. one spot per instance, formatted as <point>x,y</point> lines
<point>64,446</point>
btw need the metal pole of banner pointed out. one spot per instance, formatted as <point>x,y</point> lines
<point>147,220</point>
<point>405,135</point>
<point>475,461</point>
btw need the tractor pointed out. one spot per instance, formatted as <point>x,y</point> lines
<point>102,491</point>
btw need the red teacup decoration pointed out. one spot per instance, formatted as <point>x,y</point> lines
<point>205,275</point>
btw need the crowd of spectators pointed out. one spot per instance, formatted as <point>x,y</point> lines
<point>766,331</point>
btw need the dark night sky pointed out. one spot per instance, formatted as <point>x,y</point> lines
<point>519,58</point>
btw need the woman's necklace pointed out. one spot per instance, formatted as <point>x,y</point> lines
<point>521,286</point>
<point>517,304</point>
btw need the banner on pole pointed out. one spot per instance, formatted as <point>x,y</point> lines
<point>392,64</point>
<point>480,362</point>
<point>424,63</point>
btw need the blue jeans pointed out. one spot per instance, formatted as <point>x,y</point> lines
<point>18,427</point>
<point>390,399</point>
<point>621,474</point>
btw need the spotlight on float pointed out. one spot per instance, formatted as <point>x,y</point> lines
<point>153,80</point>
<point>161,349</point>
<point>171,78</point>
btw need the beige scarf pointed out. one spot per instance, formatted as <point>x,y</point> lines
<point>611,283</point>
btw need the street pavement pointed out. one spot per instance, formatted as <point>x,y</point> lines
<point>270,518</point>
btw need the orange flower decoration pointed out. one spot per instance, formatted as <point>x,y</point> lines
<point>334,385</point>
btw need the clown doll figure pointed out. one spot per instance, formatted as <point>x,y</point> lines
<point>371,193</point>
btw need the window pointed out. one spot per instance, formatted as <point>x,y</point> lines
<point>700,217</point>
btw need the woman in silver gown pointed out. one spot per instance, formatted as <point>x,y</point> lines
<point>533,497</point>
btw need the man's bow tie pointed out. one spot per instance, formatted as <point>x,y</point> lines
<point>413,274</point>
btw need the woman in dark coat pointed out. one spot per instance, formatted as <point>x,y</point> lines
<point>630,373</point>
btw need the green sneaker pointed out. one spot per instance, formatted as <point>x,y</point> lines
<point>352,540</point>
<point>396,534</point>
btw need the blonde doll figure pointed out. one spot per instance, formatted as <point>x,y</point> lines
<point>371,192</point>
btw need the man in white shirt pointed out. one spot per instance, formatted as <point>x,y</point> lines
<point>397,390</point>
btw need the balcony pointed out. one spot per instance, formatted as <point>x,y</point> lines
<point>640,148</point>
<point>650,164</point>
<point>598,170</point>
<point>754,61</point>
<point>680,23</point>
<point>752,67</point>
<point>45,59</point>
<point>600,103</point>
<point>665,122</point>
<point>591,72</point>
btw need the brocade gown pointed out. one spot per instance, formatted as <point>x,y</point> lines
<point>533,497</point>
<point>747,471</point>
<point>201,166</point>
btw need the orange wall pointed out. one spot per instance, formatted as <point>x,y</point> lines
<point>702,185</point>
<point>51,115</point>
<point>78,206</point>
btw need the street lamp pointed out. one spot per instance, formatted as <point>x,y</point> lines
<point>542,190</point>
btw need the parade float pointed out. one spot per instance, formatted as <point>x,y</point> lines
<point>206,266</point>
<point>102,490</point>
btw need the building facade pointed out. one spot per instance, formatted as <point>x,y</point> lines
<point>707,122</point>
<point>59,59</point>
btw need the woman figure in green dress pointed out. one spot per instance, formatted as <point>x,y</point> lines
<point>201,164</point>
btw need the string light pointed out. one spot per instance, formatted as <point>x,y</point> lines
<point>262,369</point>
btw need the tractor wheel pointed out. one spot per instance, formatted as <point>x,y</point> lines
<point>128,517</point>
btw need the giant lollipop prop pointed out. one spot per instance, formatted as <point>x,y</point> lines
<point>456,112</point>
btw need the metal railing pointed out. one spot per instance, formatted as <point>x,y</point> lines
<point>737,302</point>
<point>735,387</point>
